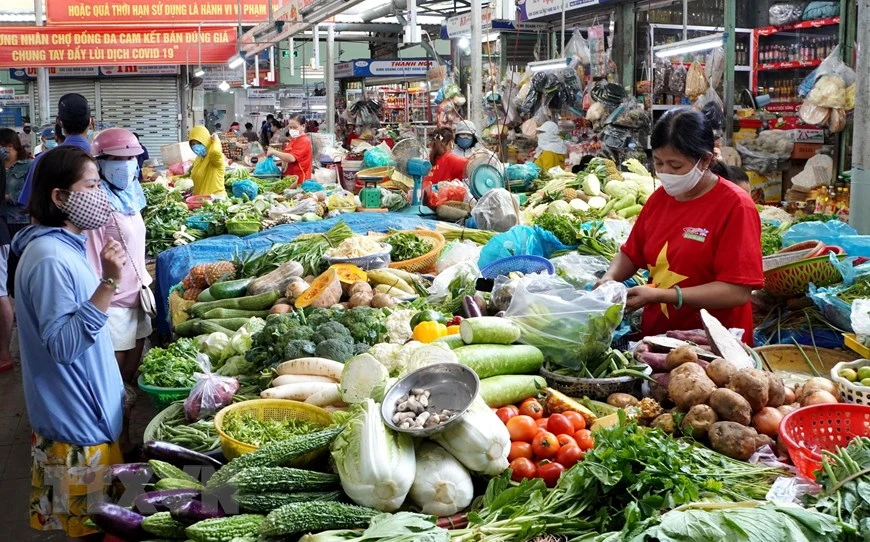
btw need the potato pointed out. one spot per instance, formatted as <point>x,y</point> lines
<point>753,385</point>
<point>775,390</point>
<point>789,396</point>
<point>622,400</point>
<point>665,422</point>
<point>379,301</point>
<point>730,406</point>
<point>680,355</point>
<point>280,308</point>
<point>689,387</point>
<point>720,371</point>
<point>698,420</point>
<point>732,439</point>
<point>361,299</point>
<point>764,440</point>
<point>359,287</point>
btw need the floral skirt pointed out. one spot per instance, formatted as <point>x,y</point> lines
<point>67,480</point>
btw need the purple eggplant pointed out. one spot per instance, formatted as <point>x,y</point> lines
<point>119,522</point>
<point>193,511</point>
<point>162,501</point>
<point>471,308</point>
<point>177,455</point>
<point>141,473</point>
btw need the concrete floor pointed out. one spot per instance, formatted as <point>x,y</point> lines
<point>15,455</point>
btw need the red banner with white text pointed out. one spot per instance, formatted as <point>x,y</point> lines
<point>86,12</point>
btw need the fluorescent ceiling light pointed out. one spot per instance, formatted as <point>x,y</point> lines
<point>547,65</point>
<point>199,72</point>
<point>693,45</point>
<point>235,61</point>
<point>224,86</point>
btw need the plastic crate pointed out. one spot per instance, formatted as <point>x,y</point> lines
<point>809,431</point>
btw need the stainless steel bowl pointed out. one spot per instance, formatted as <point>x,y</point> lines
<point>452,386</point>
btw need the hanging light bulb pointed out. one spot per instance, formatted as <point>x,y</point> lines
<point>224,86</point>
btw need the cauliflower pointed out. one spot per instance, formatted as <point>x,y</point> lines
<point>390,356</point>
<point>398,326</point>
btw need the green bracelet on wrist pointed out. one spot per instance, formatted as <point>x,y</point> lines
<point>679,303</point>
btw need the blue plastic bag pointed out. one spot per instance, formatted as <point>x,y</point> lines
<point>245,188</point>
<point>829,233</point>
<point>267,168</point>
<point>519,241</point>
<point>377,157</point>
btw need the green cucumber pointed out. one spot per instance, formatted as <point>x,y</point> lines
<point>452,341</point>
<point>230,289</point>
<point>233,313</point>
<point>498,391</point>
<point>252,302</point>
<point>205,296</point>
<point>195,326</point>
<point>488,330</point>
<point>500,359</point>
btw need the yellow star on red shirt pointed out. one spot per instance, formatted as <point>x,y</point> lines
<point>661,275</point>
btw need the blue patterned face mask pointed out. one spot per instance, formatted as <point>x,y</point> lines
<point>4,154</point>
<point>119,173</point>
<point>199,150</point>
<point>50,144</point>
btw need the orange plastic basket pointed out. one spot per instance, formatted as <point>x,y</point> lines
<point>426,262</point>
<point>809,431</point>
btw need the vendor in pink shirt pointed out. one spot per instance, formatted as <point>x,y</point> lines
<point>116,150</point>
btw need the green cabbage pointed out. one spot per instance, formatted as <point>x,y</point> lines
<point>215,346</point>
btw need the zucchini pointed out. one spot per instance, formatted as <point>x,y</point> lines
<point>251,302</point>
<point>274,454</point>
<point>488,330</point>
<point>498,391</point>
<point>452,341</point>
<point>498,359</point>
<point>261,479</point>
<point>229,289</point>
<point>305,517</point>
<point>263,503</point>
<point>195,326</point>
<point>205,296</point>
<point>175,483</point>
<point>162,525</point>
<point>216,314</point>
<point>166,470</point>
<point>224,529</point>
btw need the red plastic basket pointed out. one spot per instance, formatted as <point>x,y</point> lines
<point>809,431</point>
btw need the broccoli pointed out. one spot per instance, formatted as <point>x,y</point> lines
<point>335,349</point>
<point>300,333</point>
<point>361,348</point>
<point>330,330</point>
<point>366,324</point>
<point>318,317</point>
<point>299,349</point>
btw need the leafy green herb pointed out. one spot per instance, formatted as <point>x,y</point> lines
<point>250,430</point>
<point>859,290</point>
<point>845,481</point>
<point>564,227</point>
<point>398,527</point>
<point>407,246</point>
<point>771,240</point>
<point>308,250</point>
<point>171,367</point>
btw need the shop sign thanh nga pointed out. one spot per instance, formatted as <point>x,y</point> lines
<point>44,47</point>
<point>400,67</point>
<point>84,12</point>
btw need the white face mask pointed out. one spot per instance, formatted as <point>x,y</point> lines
<point>294,133</point>
<point>677,185</point>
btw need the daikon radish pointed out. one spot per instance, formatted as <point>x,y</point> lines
<point>296,392</point>
<point>329,396</point>
<point>300,379</point>
<point>311,366</point>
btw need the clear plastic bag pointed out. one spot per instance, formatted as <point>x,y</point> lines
<point>503,290</point>
<point>497,210</point>
<point>711,105</point>
<point>577,48</point>
<point>568,325</point>
<point>861,320</point>
<point>785,13</point>
<point>456,252</point>
<point>677,80</point>
<point>696,81</point>
<point>715,67</point>
<point>581,272</point>
<point>661,73</point>
<point>831,65</point>
<point>211,392</point>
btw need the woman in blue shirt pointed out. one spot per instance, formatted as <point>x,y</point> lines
<point>72,385</point>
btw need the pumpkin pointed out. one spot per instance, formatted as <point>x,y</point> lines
<point>323,293</point>
<point>348,273</point>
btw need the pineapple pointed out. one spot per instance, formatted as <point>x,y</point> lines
<point>198,276</point>
<point>187,283</point>
<point>191,294</point>
<point>569,194</point>
<point>206,274</point>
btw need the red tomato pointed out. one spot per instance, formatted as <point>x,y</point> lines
<point>584,439</point>
<point>577,419</point>
<point>569,455</point>
<point>520,449</point>
<point>560,425</point>
<point>531,407</point>
<point>522,428</point>
<point>542,423</point>
<point>550,473</point>
<point>566,440</point>
<point>523,468</point>
<point>507,412</point>
<point>545,445</point>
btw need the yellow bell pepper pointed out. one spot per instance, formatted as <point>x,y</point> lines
<point>426,332</point>
<point>453,330</point>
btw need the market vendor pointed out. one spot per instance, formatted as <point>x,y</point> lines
<point>72,385</point>
<point>297,152</point>
<point>446,166</point>
<point>467,139</point>
<point>552,150</point>
<point>698,235</point>
<point>209,166</point>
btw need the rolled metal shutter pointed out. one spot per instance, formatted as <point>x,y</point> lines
<point>148,106</point>
<point>57,87</point>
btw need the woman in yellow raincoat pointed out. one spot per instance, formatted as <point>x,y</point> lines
<point>209,166</point>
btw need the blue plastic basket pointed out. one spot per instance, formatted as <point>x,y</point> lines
<point>200,221</point>
<point>523,264</point>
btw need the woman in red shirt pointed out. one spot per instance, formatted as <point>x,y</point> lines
<point>446,166</point>
<point>698,235</point>
<point>297,152</point>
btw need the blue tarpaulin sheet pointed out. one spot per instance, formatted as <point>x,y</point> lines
<point>175,263</point>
